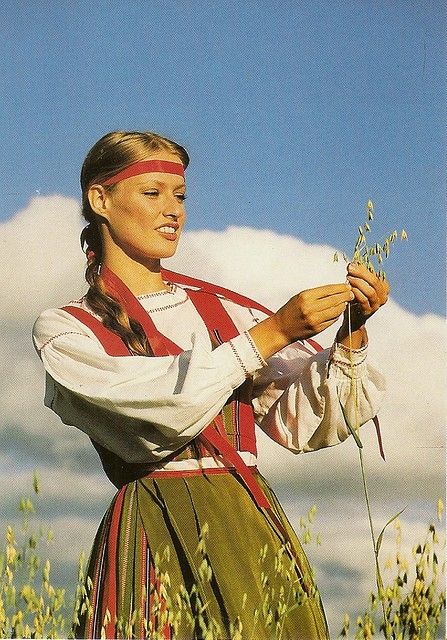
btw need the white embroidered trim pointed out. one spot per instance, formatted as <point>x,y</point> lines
<point>346,366</point>
<point>59,335</point>
<point>347,350</point>
<point>251,342</point>
<point>238,358</point>
<point>354,370</point>
<point>167,306</point>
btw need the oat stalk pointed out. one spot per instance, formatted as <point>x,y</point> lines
<point>371,256</point>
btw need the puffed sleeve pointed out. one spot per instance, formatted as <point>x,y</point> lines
<point>299,396</point>
<point>142,408</point>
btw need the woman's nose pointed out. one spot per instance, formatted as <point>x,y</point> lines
<point>174,215</point>
<point>174,208</point>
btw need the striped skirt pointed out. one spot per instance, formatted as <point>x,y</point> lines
<point>190,557</point>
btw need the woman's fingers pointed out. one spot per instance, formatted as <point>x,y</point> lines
<point>334,300</point>
<point>364,292</point>
<point>381,286</point>
<point>327,290</point>
<point>329,315</point>
<point>321,306</point>
<point>370,291</point>
<point>325,297</point>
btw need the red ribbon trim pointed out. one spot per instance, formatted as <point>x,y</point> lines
<point>110,586</point>
<point>111,342</point>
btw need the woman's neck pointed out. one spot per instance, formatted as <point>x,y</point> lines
<point>139,277</point>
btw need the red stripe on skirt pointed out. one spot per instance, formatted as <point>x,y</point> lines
<point>144,585</point>
<point>96,582</point>
<point>110,586</point>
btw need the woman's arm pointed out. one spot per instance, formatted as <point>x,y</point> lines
<point>155,404</point>
<point>303,316</point>
<point>298,398</point>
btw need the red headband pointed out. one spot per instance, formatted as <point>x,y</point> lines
<point>146,166</point>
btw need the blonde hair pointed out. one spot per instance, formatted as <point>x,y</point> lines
<point>112,153</point>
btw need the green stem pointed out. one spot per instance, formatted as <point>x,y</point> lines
<point>379,581</point>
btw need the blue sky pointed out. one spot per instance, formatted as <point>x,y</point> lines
<point>294,113</point>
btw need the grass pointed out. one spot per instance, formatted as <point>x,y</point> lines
<point>31,607</point>
<point>413,595</point>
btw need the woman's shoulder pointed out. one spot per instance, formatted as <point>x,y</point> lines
<point>56,322</point>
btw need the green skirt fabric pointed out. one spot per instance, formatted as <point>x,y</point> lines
<point>192,557</point>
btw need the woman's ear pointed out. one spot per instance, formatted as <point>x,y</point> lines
<point>98,199</point>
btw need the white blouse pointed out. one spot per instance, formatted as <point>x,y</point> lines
<point>146,408</point>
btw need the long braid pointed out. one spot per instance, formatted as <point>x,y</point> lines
<point>113,316</point>
<point>111,153</point>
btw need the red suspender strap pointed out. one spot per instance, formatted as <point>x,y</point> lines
<point>111,342</point>
<point>215,317</point>
<point>212,437</point>
<point>188,281</point>
<point>213,314</point>
<point>160,345</point>
<point>219,323</point>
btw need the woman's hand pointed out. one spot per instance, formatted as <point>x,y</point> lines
<point>370,293</point>
<point>303,316</point>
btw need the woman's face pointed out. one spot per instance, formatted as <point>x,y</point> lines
<point>145,214</point>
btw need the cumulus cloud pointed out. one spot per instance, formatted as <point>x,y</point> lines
<point>42,266</point>
<point>40,258</point>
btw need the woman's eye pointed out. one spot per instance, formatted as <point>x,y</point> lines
<point>151,192</point>
<point>181,196</point>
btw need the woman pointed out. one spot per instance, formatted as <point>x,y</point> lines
<point>165,374</point>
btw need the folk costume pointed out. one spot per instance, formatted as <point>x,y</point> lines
<point>195,540</point>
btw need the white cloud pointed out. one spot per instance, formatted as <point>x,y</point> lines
<point>42,266</point>
<point>40,259</point>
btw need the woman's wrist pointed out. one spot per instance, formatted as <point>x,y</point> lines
<point>268,337</point>
<point>354,340</point>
